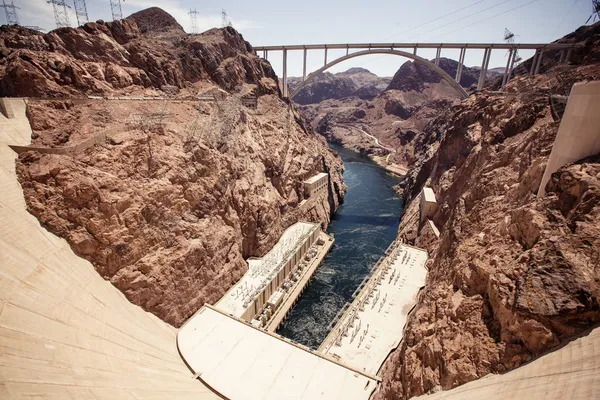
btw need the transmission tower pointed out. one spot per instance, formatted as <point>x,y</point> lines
<point>595,12</point>
<point>225,22</point>
<point>11,13</point>
<point>115,8</point>
<point>194,21</point>
<point>60,13</point>
<point>509,38</point>
<point>81,12</point>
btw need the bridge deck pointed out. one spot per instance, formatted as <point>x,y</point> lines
<point>506,46</point>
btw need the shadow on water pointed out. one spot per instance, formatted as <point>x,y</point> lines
<point>363,227</point>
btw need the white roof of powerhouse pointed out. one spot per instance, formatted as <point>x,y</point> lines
<point>242,362</point>
<point>315,178</point>
<point>261,271</point>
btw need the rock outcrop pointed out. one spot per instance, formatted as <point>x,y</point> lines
<point>182,191</point>
<point>396,115</point>
<point>357,82</point>
<point>146,50</point>
<point>413,75</point>
<point>511,276</point>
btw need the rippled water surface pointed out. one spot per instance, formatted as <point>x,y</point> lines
<point>363,227</point>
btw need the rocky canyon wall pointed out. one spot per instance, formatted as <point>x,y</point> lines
<point>511,276</point>
<point>181,192</point>
<point>347,107</point>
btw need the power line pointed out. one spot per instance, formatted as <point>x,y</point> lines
<point>433,20</point>
<point>486,19</point>
<point>563,20</point>
<point>469,16</point>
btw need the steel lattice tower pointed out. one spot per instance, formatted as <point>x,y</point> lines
<point>595,12</point>
<point>194,21</point>
<point>115,8</point>
<point>509,38</point>
<point>81,12</point>
<point>61,17</point>
<point>225,22</point>
<point>11,13</point>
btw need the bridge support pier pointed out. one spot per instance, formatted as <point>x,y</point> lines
<point>539,63</point>
<point>512,66</point>
<point>304,66</point>
<point>507,69</point>
<point>265,52</point>
<point>534,62</point>
<point>437,56</point>
<point>415,51</point>
<point>484,67</point>
<point>325,63</point>
<point>459,68</point>
<point>285,88</point>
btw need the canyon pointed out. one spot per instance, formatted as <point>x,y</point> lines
<point>168,162</point>
<point>351,107</point>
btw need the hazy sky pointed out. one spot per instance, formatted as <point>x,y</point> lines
<point>268,22</point>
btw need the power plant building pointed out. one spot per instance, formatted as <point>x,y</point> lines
<point>428,205</point>
<point>260,285</point>
<point>316,184</point>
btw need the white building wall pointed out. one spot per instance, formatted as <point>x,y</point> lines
<point>579,132</point>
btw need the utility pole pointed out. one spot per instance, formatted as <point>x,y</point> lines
<point>225,22</point>
<point>81,12</point>
<point>60,13</point>
<point>115,8</point>
<point>194,21</point>
<point>11,13</point>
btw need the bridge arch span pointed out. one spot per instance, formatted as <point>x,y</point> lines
<point>413,57</point>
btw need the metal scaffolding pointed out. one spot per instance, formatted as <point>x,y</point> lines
<point>61,17</point>
<point>11,13</point>
<point>81,12</point>
<point>115,8</point>
<point>194,21</point>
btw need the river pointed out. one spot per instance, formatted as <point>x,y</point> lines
<point>363,227</point>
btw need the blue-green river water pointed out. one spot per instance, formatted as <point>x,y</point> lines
<point>363,227</point>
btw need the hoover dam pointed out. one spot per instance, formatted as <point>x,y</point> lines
<point>173,224</point>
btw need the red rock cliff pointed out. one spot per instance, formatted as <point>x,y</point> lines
<point>166,211</point>
<point>511,276</point>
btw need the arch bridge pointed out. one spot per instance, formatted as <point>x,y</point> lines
<point>400,50</point>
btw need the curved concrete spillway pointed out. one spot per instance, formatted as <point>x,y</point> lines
<point>65,333</point>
